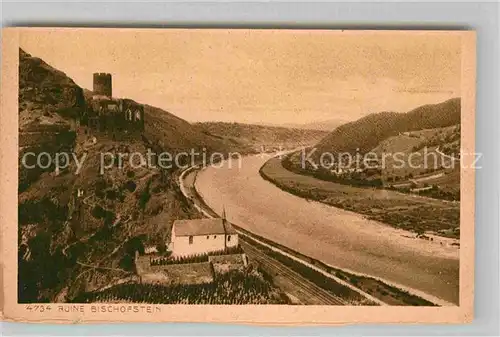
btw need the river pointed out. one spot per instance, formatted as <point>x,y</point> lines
<point>337,237</point>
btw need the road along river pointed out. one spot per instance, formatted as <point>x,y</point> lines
<point>337,237</point>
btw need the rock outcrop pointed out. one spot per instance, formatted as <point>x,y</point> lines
<point>49,102</point>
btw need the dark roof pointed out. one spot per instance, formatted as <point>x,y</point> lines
<point>229,229</point>
<point>196,227</point>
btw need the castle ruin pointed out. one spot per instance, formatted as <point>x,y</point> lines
<point>105,113</point>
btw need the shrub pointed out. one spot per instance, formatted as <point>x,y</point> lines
<point>130,186</point>
<point>127,263</point>
<point>145,196</point>
<point>98,212</point>
<point>111,194</point>
<point>134,244</point>
<point>100,184</point>
<point>34,211</point>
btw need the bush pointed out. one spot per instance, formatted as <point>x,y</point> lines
<point>134,244</point>
<point>127,263</point>
<point>111,194</point>
<point>145,196</point>
<point>130,186</point>
<point>34,211</point>
<point>100,184</point>
<point>162,248</point>
<point>98,212</point>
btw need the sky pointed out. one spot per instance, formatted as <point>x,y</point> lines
<point>260,76</point>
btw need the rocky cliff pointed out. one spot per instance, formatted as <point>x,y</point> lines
<point>48,103</point>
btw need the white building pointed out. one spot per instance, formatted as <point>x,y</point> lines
<point>201,236</point>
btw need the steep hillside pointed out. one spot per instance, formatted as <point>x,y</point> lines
<point>47,100</point>
<point>411,151</point>
<point>174,133</point>
<point>71,223</point>
<point>45,93</point>
<point>368,131</point>
<point>431,172</point>
<point>258,136</point>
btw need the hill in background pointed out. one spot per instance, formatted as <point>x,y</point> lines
<point>260,137</point>
<point>366,133</point>
<point>420,197</point>
<point>414,152</point>
<point>323,125</point>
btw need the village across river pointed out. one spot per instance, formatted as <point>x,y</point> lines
<point>337,237</point>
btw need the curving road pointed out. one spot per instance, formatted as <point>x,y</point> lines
<point>340,238</point>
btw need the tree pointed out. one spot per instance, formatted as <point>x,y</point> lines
<point>162,248</point>
<point>98,212</point>
<point>130,186</point>
<point>144,198</point>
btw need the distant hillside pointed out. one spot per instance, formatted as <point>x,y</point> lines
<point>427,129</point>
<point>174,133</point>
<point>367,132</point>
<point>256,136</point>
<point>325,125</point>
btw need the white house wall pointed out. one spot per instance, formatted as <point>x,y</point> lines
<point>233,242</point>
<point>201,244</point>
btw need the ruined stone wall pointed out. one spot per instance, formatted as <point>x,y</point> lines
<point>103,84</point>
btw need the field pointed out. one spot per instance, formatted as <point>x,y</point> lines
<point>415,162</point>
<point>430,168</point>
<point>235,287</point>
<point>405,211</point>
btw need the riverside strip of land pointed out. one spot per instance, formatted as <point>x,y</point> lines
<point>304,279</point>
<point>337,237</point>
<point>298,288</point>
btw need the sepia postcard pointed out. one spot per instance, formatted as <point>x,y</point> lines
<point>252,176</point>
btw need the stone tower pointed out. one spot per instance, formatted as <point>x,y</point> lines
<point>102,84</point>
